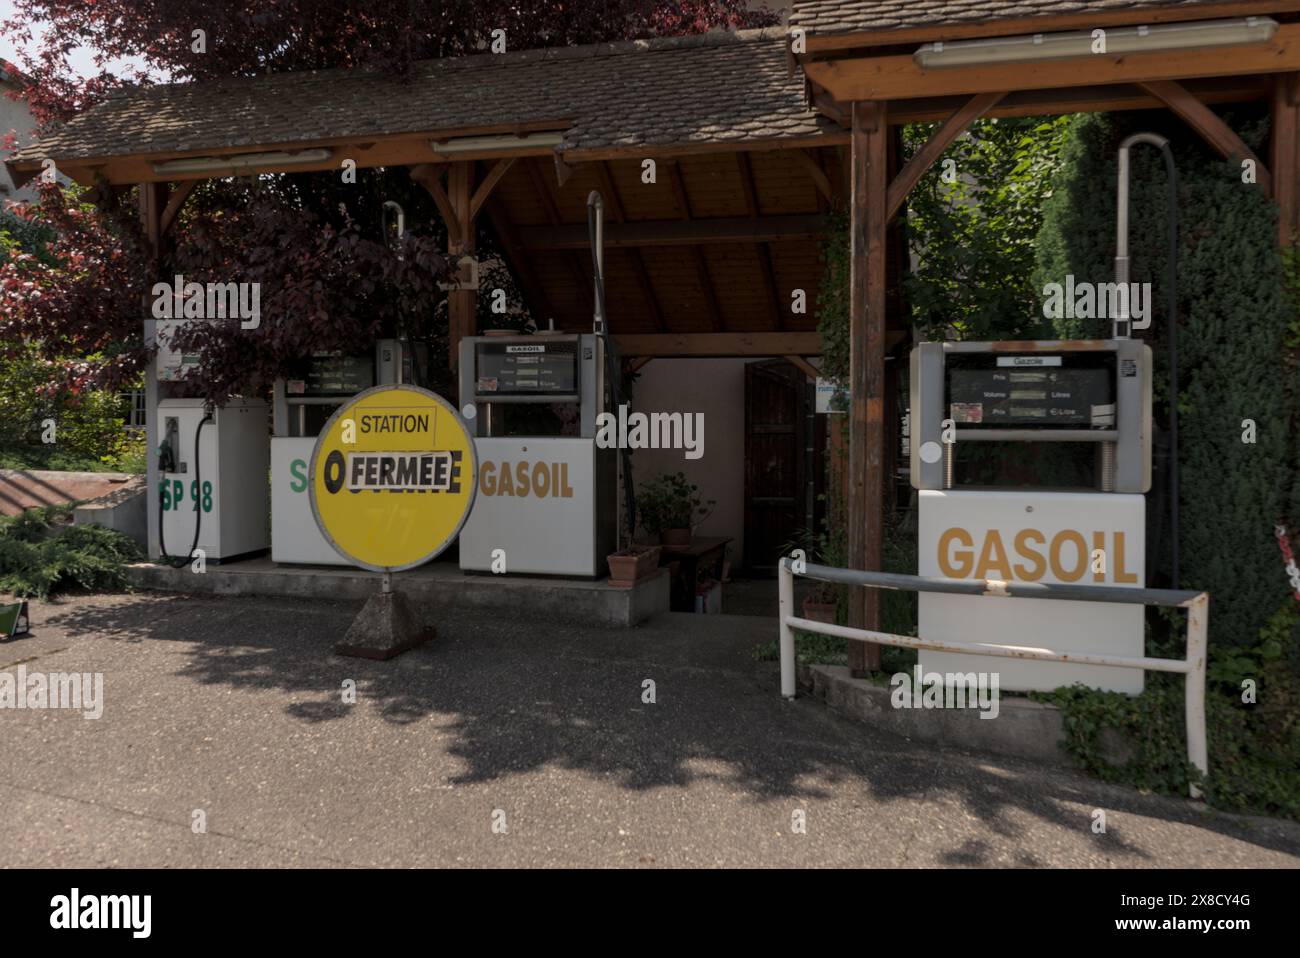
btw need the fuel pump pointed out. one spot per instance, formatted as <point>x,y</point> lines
<point>547,503</point>
<point>212,487</point>
<point>1095,392</point>
<point>303,404</point>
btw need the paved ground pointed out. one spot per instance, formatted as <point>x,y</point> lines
<point>233,706</point>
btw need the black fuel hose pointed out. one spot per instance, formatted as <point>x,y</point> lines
<point>611,368</point>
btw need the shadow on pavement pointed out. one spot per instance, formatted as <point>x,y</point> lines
<point>521,695</point>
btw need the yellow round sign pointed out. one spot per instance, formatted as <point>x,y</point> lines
<point>393,478</point>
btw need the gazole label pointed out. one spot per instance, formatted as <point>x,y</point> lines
<point>392,478</point>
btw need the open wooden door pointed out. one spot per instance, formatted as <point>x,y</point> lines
<point>780,466</point>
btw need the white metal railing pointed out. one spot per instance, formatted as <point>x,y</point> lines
<point>1192,666</point>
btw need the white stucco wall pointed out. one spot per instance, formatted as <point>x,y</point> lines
<point>715,387</point>
<point>15,116</point>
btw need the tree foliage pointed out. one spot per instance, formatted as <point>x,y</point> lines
<point>1234,314</point>
<point>973,223</point>
<point>245,39</point>
<point>329,281</point>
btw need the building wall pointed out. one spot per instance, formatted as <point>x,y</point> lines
<point>715,387</point>
<point>15,116</point>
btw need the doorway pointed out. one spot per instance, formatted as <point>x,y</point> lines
<point>784,456</point>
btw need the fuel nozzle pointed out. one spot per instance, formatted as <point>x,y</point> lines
<point>166,457</point>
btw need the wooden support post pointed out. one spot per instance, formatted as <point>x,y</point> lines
<point>462,304</point>
<point>153,198</point>
<point>1285,159</point>
<point>865,493</point>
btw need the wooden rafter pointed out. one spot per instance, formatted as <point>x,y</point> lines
<point>701,265</point>
<point>614,205</point>
<point>520,263</point>
<point>754,211</point>
<point>807,368</point>
<point>813,169</point>
<point>543,191</point>
<point>944,137</point>
<point>563,171</point>
<point>1211,128</point>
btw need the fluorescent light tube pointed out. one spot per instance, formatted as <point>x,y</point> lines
<point>485,144</point>
<point>240,163</point>
<point>1194,35</point>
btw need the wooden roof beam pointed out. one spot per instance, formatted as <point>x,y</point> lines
<point>708,345</point>
<point>900,78</point>
<point>1009,27</point>
<point>705,232</point>
<point>1094,99</point>
<point>1221,137</point>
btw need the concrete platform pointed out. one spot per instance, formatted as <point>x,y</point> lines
<point>436,587</point>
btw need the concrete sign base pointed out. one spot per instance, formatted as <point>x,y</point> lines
<point>386,626</point>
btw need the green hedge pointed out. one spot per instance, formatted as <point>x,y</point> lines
<point>41,552</point>
<point>1234,315</point>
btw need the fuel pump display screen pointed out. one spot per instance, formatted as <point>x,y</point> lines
<point>1063,392</point>
<point>520,369</point>
<point>333,375</point>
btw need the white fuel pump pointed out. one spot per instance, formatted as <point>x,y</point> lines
<point>1096,392</point>
<point>302,407</point>
<point>213,465</point>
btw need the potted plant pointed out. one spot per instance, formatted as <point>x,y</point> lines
<point>631,565</point>
<point>669,506</point>
<point>822,603</point>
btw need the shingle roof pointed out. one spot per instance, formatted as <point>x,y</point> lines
<point>710,88</point>
<point>864,16</point>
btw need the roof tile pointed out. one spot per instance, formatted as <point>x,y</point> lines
<point>654,93</point>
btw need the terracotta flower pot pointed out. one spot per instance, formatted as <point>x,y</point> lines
<point>632,565</point>
<point>819,611</point>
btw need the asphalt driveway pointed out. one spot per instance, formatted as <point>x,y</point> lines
<point>234,707</point>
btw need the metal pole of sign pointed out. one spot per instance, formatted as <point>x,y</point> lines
<point>387,583</point>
